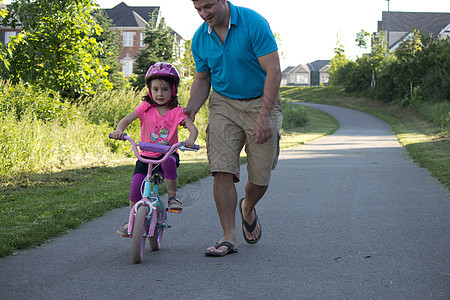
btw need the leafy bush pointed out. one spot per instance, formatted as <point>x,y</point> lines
<point>418,70</point>
<point>386,86</point>
<point>293,116</point>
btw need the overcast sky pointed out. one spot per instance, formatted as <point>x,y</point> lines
<point>308,30</point>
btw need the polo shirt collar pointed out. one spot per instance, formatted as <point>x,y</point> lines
<point>233,18</point>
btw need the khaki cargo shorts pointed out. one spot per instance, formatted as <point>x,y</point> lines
<point>230,128</point>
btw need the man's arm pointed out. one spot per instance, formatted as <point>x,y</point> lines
<point>263,126</point>
<point>199,93</point>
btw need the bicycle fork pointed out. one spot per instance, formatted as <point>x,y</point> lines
<point>150,201</point>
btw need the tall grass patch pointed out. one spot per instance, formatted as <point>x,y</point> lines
<point>110,107</point>
<point>438,113</point>
<point>45,105</point>
<point>30,145</point>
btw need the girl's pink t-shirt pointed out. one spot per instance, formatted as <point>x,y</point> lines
<point>159,129</point>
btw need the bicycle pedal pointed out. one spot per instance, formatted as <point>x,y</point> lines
<point>175,211</point>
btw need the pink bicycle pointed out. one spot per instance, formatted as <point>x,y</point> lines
<point>148,217</point>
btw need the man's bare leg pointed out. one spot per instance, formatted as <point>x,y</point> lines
<point>253,193</point>
<point>225,197</point>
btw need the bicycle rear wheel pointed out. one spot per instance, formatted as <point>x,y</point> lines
<point>140,230</point>
<point>156,239</point>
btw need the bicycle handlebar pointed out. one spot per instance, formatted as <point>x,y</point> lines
<point>164,149</point>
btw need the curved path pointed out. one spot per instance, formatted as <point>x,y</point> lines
<point>348,216</point>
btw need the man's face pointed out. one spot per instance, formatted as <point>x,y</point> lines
<point>212,12</point>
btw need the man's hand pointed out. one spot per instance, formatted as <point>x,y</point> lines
<point>262,129</point>
<point>189,113</point>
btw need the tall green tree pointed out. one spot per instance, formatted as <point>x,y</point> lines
<point>109,40</point>
<point>337,64</point>
<point>410,56</point>
<point>159,40</point>
<point>56,48</point>
<point>378,51</point>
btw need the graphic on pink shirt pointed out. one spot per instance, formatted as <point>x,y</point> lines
<point>160,135</point>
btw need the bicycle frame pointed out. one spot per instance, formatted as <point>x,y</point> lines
<point>150,195</point>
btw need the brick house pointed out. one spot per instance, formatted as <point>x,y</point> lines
<point>131,22</point>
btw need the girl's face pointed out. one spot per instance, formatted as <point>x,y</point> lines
<point>161,91</point>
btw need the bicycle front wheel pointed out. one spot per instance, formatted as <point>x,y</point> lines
<point>140,230</point>
<point>156,239</point>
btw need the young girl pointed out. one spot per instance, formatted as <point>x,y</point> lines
<point>159,116</point>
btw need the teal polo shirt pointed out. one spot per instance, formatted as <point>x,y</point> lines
<point>235,70</point>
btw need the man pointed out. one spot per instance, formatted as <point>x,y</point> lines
<point>235,52</point>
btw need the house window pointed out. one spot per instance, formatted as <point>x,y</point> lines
<point>128,39</point>
<point>8,35</point>
<point>127,66</point>
<point>302,79</point>
<point>142,39</point>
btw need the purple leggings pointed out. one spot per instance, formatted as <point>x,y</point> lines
<point>169,168</point>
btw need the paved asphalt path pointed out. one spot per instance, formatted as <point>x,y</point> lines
<point>348,216</point>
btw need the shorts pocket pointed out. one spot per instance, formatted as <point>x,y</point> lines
<point>275,159</point>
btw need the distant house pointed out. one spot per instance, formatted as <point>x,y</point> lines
<point>312,74</point>
<point>401,24</point>
<point>131,22</point>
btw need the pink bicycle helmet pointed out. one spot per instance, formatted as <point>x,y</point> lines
<point>165,70</point>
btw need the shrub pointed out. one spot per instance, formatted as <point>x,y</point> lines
<point>293,116</point>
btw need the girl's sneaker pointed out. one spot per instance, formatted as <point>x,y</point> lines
<point>174,203</point>
<point>123,231</point>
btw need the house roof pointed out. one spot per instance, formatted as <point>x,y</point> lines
<point>288,69</point>
<point>302,68</point>
<point>123,15</point>
<point>318,65</point>
<point>426,22</point>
